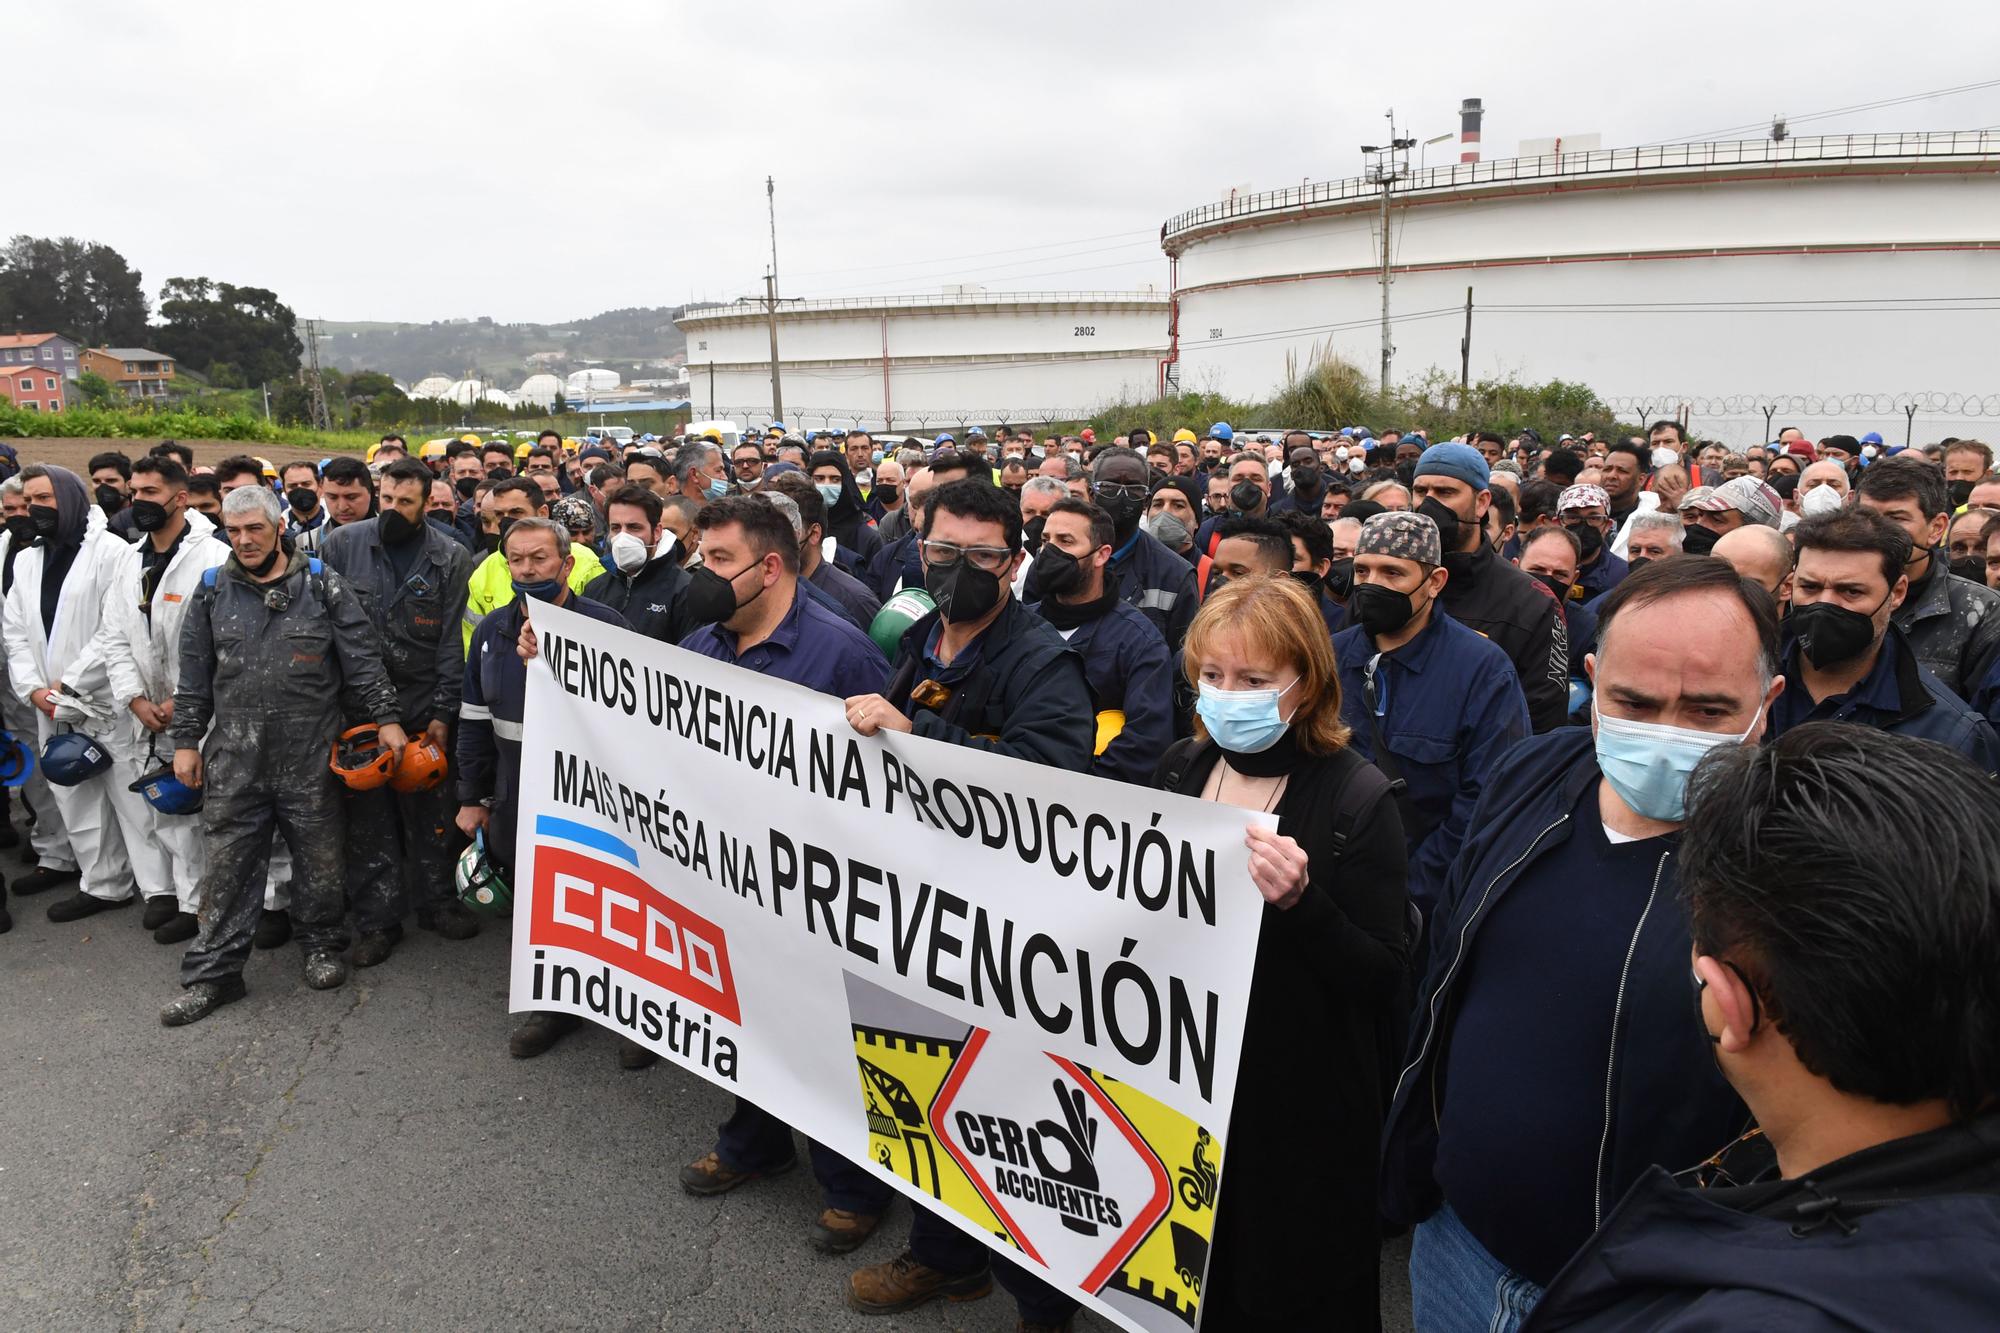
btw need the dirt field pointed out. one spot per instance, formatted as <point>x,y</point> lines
<point>75,454</point>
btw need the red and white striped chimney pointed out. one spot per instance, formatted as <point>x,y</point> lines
<point>1469,114</point>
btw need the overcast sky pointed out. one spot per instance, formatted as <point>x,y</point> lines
<point>542,162</point>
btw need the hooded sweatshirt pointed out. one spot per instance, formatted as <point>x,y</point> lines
<point>847,518</point>
<point>72,523</point>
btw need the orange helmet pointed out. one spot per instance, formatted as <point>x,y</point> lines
<point>423,767</point>
<point>360,759</point>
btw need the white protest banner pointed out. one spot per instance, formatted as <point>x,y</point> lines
<point>1017,993</point>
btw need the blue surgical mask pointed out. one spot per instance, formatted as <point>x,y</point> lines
<point>1242,721</point>
<point>875,457</point>
<point>718,488</point>
<point>829,491</point>
<point>1648,763</point>
<point>542,590</point>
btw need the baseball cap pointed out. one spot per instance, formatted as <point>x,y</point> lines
<point>1748,496</point>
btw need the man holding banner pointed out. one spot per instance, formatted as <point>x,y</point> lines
<point>776,632</point>
<point>487,766</point>
<point>982,671</point>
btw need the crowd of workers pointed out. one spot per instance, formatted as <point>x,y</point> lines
<point>1635,797</point>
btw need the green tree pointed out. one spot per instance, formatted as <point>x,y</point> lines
<point>227,375</point>
<point>96,390</point>
<point>81,289</point>
<point>205,323</point>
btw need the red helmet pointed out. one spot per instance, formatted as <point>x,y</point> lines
<point>361,760</point>
<point>422,768</point>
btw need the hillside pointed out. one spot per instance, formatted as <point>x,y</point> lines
<point>621,339</point>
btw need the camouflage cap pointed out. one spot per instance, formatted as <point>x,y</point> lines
<point>1402,534</point>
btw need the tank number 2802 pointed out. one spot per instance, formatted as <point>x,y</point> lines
<point>1086,331</point>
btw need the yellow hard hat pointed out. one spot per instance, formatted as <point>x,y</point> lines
<point>711,434</point>
<point>1110,725</point>
<point>470,438</point>
<point>1184,436</point>
<point>432,449</point>
<point>521,449</point>
<point>269,471</point>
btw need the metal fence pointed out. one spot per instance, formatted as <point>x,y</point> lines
<point>1977,144</point>
<point>754,308</point>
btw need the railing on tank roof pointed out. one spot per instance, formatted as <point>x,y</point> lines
<point>755,306</point>
<point>1599,162</point>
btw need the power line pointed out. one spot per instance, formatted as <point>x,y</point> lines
<point>1835,111</point>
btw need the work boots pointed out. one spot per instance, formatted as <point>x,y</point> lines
<point>159,911</point>
<point>274,928</point>
<point>200,1000</point>
<point>837,1231</point>
<point>325,969</point>
<point>450,919</point>
<point>80,905</point>
<point>902,1283</point>
<point>39,880</point>
<point>375,946</point>
<point>179,928</point>
<point>706,1176</point>
<point>539,1032</point>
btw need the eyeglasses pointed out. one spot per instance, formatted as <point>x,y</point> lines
<point>943,555</point>
<point>1112,490</point>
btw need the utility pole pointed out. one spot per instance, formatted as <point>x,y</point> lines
<point>771,300</point>
<point>1465,350</point>
<point>321,419</point>
<point>1387,168</point>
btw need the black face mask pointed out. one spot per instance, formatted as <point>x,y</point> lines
<point>1246,496</point>
<point>1554,585</point>
<point>302,499</point>
<point>1830,635</point>
<point>963,591</point>
<point>1699,540</point>
<point>713,597</point>
<point>22,529</point>
<point>466,487</point>
<point>1960,492</point>
<point>498,473</point>
<point>1634,564</point>
<point>1305,480</point>
<point>395,529</point>
<point>1125,516</point>
<point>1055,573</point>
<point>1447,520</point>
<point>1307,579</point>
<point>1589,538</point>
<point>1031,534</point>
<point>1380,609</point>
<point>1340,578</point>
<point>263,567</point>
<point>46,518</point>
<point>111,500</point>
<point>487,543</point>
<point>1217,581</point>
<point>886,493</point>
<point>1970,567</point>
<point>148,516</point>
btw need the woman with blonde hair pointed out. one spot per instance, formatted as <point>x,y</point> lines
<point>1296,1242</point>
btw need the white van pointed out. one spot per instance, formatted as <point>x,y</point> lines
<point>730,433</point>
<point>617,436</point>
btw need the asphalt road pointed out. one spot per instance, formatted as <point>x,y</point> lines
<point>371,1158</point>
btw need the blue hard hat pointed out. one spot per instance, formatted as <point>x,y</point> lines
<point>17,761</point>
<point>1221,431</point>
<point>943,439</point>
<point>71,757</point>
<point>1872,437</point>
<point>167,793</point>
<point>776,425</point>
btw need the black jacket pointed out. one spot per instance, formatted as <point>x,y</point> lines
<point>1025,695</point>
<point>658,600</point>
<point>1517,612</point>
<point>1663,1095</point>
<point>416,617</point>
<point>847,520</point>
<point>1296,1239</point>
<point>1899,1236</point>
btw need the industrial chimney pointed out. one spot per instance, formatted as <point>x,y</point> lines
<point>1469,114</point>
